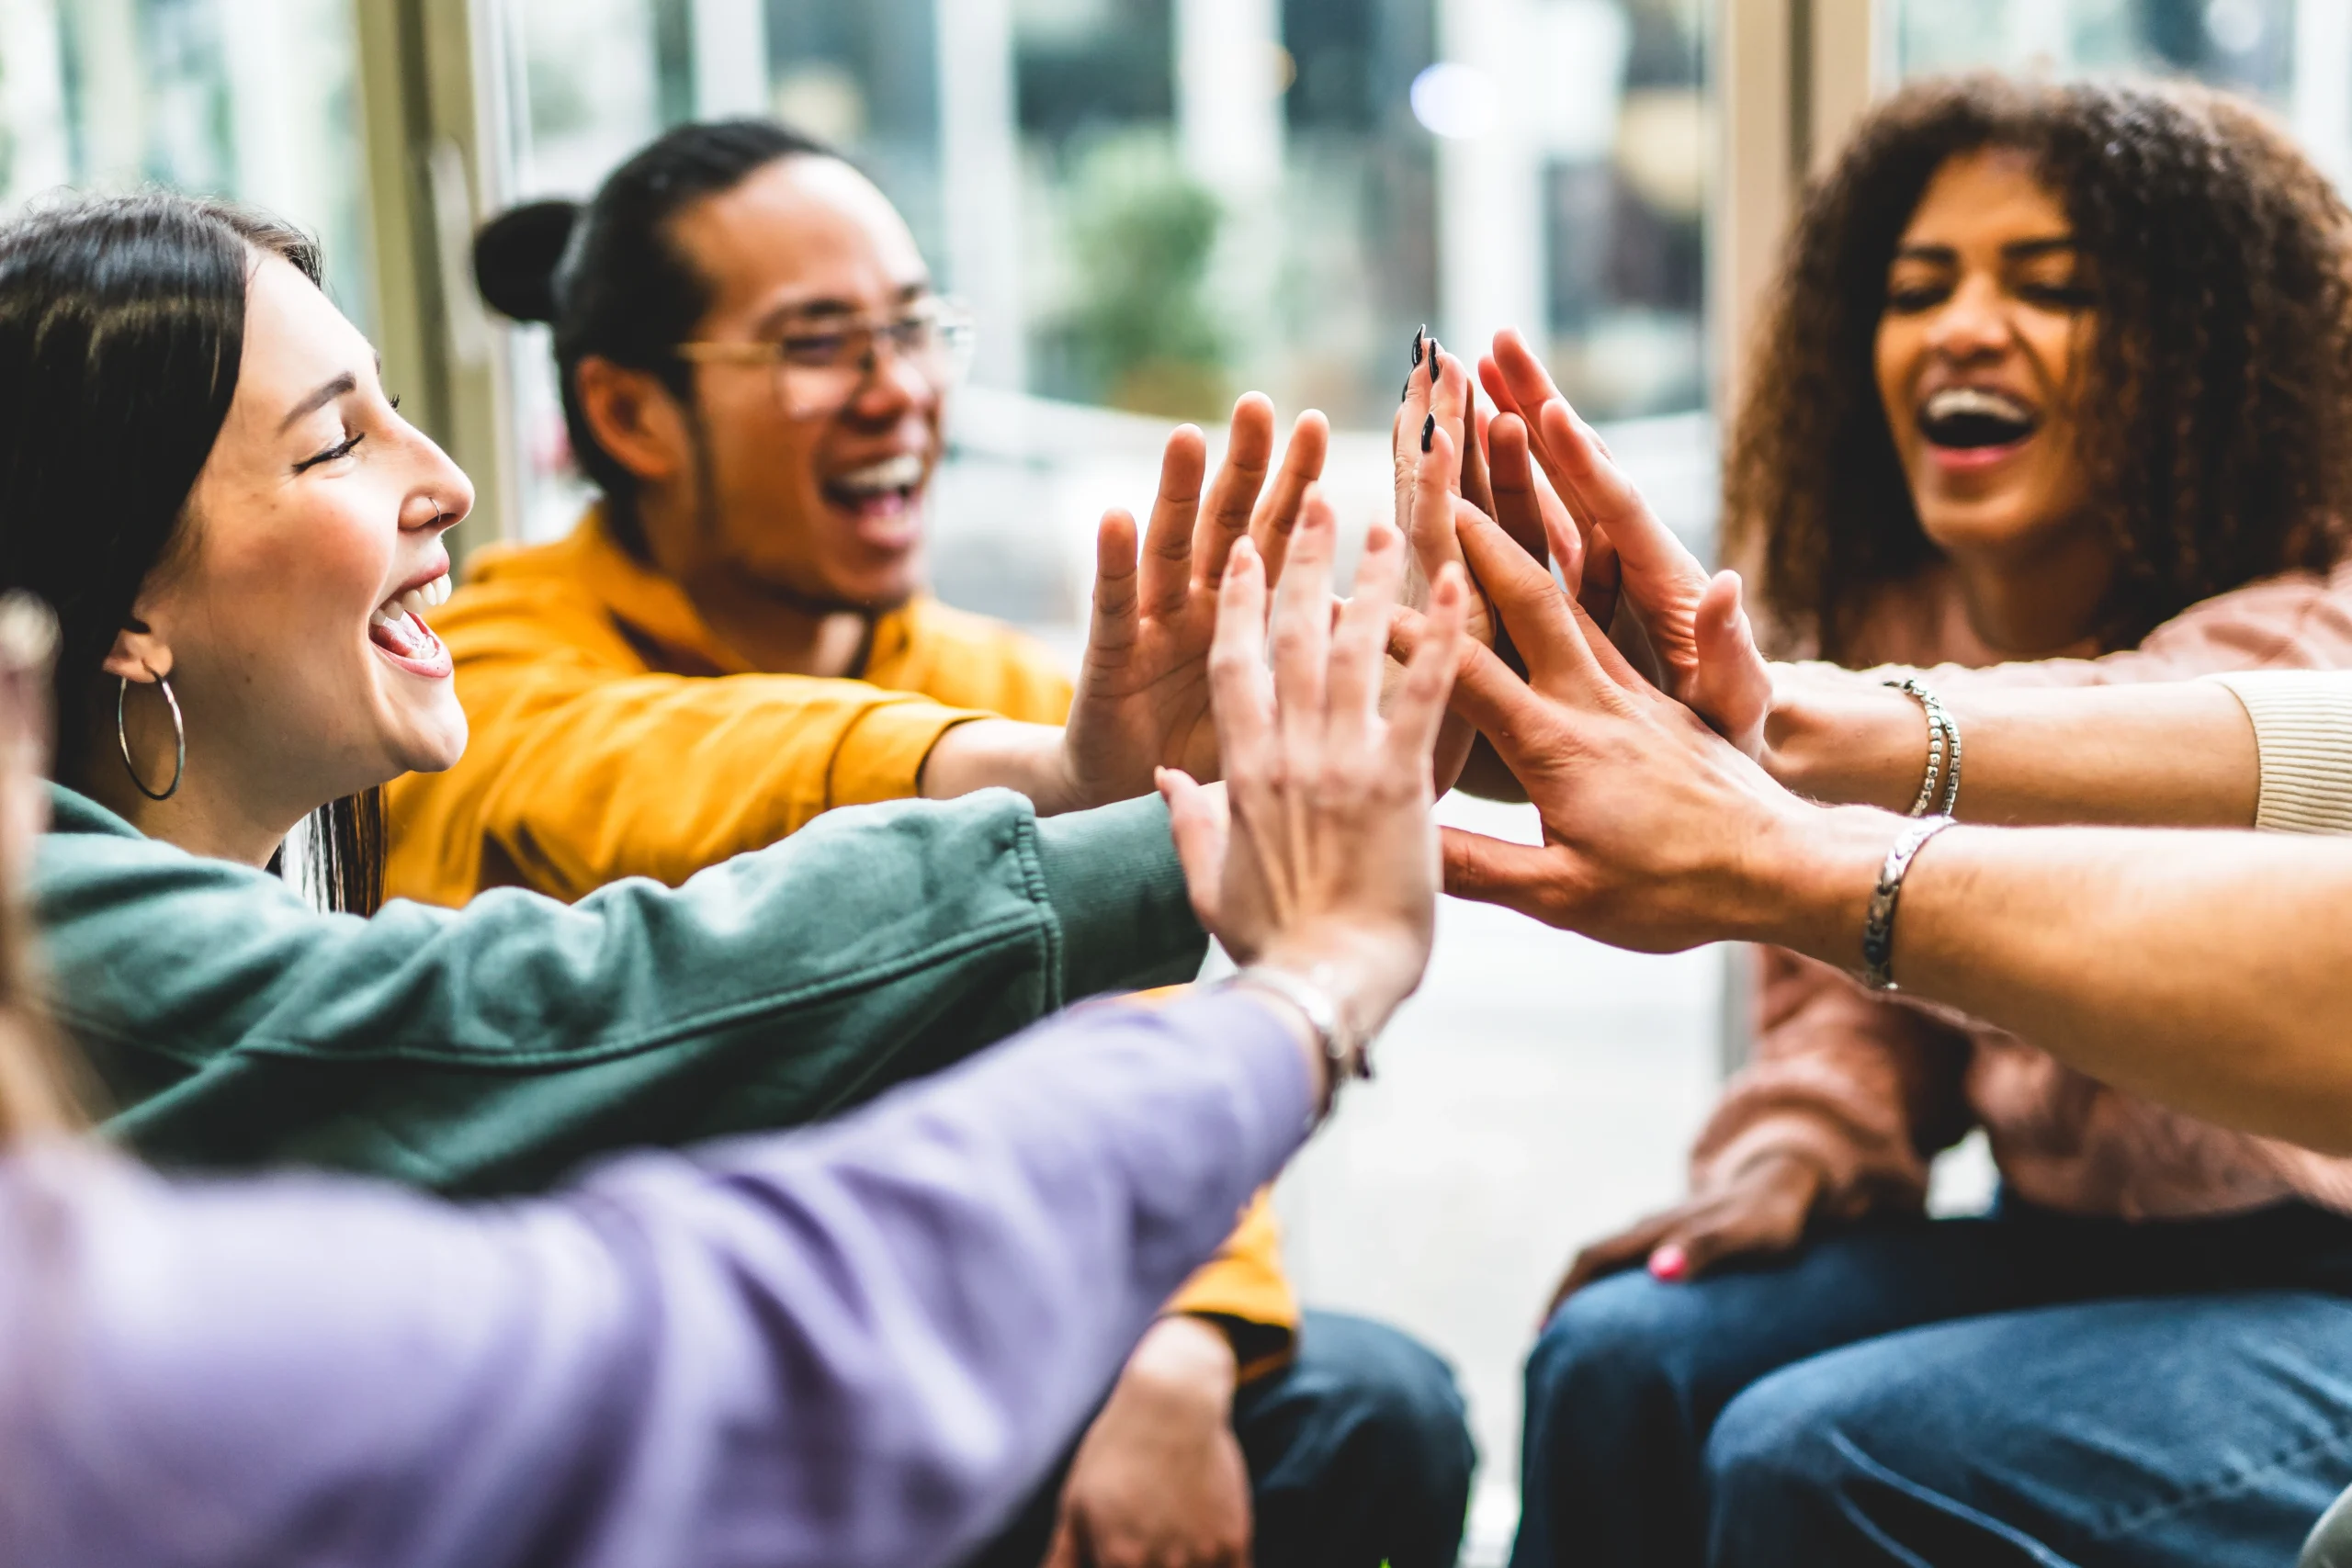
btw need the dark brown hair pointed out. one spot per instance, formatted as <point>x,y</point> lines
<point>2215,406</point>
<point>612,279</point>
<point>122,325</point>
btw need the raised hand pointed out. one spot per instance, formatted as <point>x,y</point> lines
<point>1323,859</point>
<point>1654,826</point>
<point>1142,701</point>
<point>1695,624</point>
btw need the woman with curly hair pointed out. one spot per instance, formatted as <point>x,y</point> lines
<point>2056,387</point>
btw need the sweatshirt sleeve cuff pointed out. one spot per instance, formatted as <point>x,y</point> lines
<point>2302,733</point>
<point>1117,889</point>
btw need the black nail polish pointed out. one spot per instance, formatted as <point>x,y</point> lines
<point>1409,387</point>
<point>1417,346</point>
<point>1428,432</point>
<point>1435,353</point>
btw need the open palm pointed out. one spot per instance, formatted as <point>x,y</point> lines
<point>1143,690</point>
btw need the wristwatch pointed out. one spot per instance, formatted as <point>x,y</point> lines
<point>1347,1050</point>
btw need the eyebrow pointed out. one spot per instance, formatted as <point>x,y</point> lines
<point>2015,250</point>
<point>341,386</point>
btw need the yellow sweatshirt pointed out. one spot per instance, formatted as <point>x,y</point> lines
<point>614,735</point>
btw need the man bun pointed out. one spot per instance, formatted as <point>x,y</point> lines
<point>516,254</point>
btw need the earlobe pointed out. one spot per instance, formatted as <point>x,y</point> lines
<point>139,655</point>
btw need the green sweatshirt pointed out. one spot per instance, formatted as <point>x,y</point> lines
<point>488,1048</point>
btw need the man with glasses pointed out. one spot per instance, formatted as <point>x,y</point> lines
<point>755,368</point>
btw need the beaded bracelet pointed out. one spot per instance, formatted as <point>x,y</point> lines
<point>1941,788</point>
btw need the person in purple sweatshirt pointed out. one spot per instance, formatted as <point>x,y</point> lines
<point>861,1343</point>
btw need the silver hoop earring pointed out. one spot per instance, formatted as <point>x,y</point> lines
<point>179,739</point>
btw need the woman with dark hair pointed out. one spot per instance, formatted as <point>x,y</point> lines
<point>859,1345</point>
<point>2057,382</point>
<point>200,469</point>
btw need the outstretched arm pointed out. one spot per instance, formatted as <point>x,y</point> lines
<point>859,1345</point>
<point>2206,970</point>
<point>862,1344</point>
<point>2173,754</point>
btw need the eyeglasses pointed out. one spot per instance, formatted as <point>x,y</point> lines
<point>822,362</point>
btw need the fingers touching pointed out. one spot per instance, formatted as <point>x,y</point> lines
<point>1359,641</point>
<point>1525,504</point>
<point>1732,687</point>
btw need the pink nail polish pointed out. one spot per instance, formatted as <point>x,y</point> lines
<point>1667,1263</point>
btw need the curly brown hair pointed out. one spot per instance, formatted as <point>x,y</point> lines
<point>2214,406</point>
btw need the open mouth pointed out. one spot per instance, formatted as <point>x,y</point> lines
<point>881,489</point>
<point>396,627</point>
<point>1969,419</point>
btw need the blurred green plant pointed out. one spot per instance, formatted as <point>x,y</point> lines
<point>1142,334</point>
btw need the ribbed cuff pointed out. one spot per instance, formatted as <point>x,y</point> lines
<point>2302,733</point>
<point>1113,879</point>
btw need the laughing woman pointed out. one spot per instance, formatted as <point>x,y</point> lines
<point>242,536</point>
<point>2058,382</point>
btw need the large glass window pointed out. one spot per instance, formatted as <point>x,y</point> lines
<point>2297,58</point>
<point>1155,204</point>
<point>250,99</point>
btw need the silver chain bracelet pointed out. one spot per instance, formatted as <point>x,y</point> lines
<point>1346,1050</point>
<point>1940,790</point>
<point>1877,927</point>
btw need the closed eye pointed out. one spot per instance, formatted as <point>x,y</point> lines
<point>340,449</point>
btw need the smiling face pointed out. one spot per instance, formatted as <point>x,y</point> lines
<point>287,613</point>
<point>823,504</point>
<point>1987,317</point>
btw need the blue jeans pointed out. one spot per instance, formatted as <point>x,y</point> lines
<point>2026,1388</point>
<point>1358,1451</point>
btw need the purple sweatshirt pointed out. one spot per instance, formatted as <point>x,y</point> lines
<point>862,1343</point>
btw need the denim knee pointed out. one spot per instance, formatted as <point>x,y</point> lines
<point>1773,1440</point>
<point>1617,1347</point>
<point>1360,1450</point>
<point>1400,1395</point>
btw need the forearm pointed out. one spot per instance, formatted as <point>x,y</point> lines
<point>2204,970</point>
<point>493,1047</point>
<point>1000,753</point>
<point>903,1316</point>
<point>2180,754</point>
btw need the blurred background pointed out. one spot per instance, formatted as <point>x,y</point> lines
<point>1153,205</point>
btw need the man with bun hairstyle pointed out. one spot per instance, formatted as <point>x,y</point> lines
<point>755,366</point>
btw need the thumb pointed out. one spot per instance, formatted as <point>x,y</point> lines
<point>1197,820</point>
<point>1495,871</point>
<point>1732,687</point>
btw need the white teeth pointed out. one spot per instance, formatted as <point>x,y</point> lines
<point>411,602</point>
<point>901,472</point>
<point>1952,402</point>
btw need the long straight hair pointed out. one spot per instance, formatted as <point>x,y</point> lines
<point>123,324</point>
